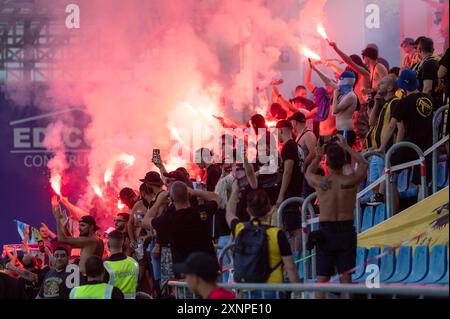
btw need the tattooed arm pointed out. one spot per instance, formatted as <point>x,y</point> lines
<point>23,273</point>
<point>313,179</point>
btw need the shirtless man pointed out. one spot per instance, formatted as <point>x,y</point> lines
<point>336,239</point>
<point>344,105</point>
<point>88,241</point>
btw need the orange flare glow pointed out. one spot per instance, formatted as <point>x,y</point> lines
<point>122,158</point>
<point>310,54</point>
<point>175,133</point>
<point>120,205</point>
<point>98,191</point>
<point>321,30</point>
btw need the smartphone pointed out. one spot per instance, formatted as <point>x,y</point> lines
<point>156,159</point>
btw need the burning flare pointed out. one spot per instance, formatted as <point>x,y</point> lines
<point>127,159</point>
<point>120,205</point>
<point>310,54</point>
<point>98,191</point>
<point>55,182</point>
<point>321,30</point>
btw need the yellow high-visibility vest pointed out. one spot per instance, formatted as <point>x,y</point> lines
<point>94,291</point>
<point>124,275</point>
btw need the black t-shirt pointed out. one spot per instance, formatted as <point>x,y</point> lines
<point>427,70</point>
<point>290,152</point>
<point>213,173</point>
<point>283,243</point>
<point>416,112</point>
<point>162,238</point>
<point>187,230</point>
<point>11,288</point>
<point>444,62</point>
<point>54,286</point>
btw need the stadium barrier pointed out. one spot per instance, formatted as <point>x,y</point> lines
<point>437,118</point>
<point>306,291</point>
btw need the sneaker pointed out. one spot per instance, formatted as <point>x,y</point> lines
<point>376,199</point>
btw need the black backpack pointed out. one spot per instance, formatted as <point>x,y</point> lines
<point>251,254</point>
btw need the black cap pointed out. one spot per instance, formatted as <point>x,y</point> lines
<point>284,124</point>
<point>201,264</point>
<point>152,178</point>
<point>298,116</point>
<point>115,234</point>
<point>89,220</point>
<point>177,175</point>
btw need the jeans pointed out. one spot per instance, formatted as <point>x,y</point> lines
<point>226,262</point>
<point>376,168</point>
<point>156,263</point>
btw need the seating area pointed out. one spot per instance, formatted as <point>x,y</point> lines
<point>405,265</point>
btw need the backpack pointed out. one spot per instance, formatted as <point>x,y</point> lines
<point>251,254</point>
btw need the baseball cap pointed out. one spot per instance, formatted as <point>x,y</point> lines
<point>89,220</point>
<point>152,178</point>
<point>115,234</point>
<point>298,116</point>
<point>284,124</point>
<point>177,175</point>
<point>408,80</point>
<point>407,41</point>
<point>201,264</point>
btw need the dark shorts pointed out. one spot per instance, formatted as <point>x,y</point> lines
<point>336,248</point>
<point>406,155</point>
<point>292,219</point>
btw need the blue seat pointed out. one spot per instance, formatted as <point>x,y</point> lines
<point>402,265</point>
<point>374,251</point>
<point>387,266</point>
<point>300,267</point>
<point>438,265</point>
<point>360,258</point>
<point>380,214</point>
<point>419,265</point>
<point>444,280</point>
<point>367,219</point>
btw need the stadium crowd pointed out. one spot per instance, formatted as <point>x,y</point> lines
<point>175,224</point>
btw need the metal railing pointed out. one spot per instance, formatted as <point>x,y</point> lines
<point>389,170</point>
<point>280,210</point>
<point>307,207</point>
<point>393,290</point>
<point>436,120</point>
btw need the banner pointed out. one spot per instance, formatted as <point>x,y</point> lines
<point>427,220</point>
<point>33,237</point>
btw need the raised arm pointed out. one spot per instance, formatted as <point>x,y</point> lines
<point>278,98</point>
<point>206,196</point>
<point>79,242</point>
<point>355,67</point>
<point>153,212</point>
<point>361,172</point>
<point>75,211</point>
<point>308,74</point>
<point>250,173</point>
<point>230,214</point>
<point>23,273</point>
<point>311,176</point>
<point>325,79</point>
<point>345,103</point>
